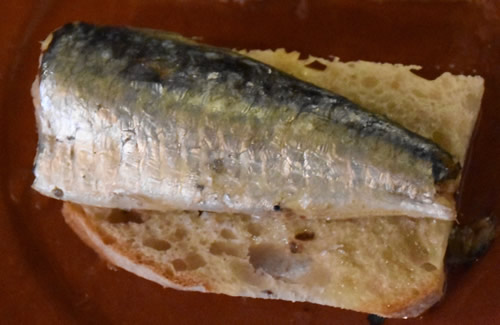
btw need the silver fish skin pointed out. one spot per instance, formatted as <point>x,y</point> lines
<point>142,119</point>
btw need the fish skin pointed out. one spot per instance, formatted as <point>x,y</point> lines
<point>142,119</point>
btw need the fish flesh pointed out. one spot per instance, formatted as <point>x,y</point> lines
<point>142,119</point>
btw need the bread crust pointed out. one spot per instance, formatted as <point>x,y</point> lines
<point>119,255</point>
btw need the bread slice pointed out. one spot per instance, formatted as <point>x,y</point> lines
<point>390,266</point>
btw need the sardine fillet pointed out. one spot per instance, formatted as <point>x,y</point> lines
<point>139,119</point>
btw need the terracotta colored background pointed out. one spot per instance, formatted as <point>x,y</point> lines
<point>48,276</point>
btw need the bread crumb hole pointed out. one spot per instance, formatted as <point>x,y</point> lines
<point>470,101</point>
<point>304,235</point>
<point>220,218</point>
<point>254,229</point>
<point>316,65</point>
<point>179,265</point>
<point>158,244</point>
<point>370,82</point>
<point>435,94</point>
<point>225,248</point>
<point>168,272</point>
<point>429,267</point>
<point>277,262</point>
<point>195,217</point>
<point>194,261</point>
<point>418,93</point>
<point>123,216</point>
<point>108,240</point>
<point>180,234</point>
<point>295,247</point>
<point>227,234</point>
<point>244,217</point>
<point>395,84</point>
<point>246,273</point>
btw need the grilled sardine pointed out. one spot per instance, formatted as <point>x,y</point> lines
<point>142,119</point>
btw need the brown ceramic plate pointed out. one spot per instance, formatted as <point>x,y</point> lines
<point>48,276</point>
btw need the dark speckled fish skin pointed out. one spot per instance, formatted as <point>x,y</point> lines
<point>137,118</point>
